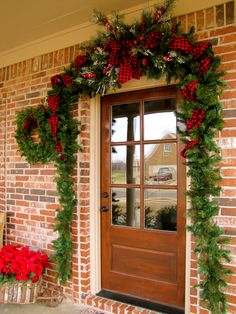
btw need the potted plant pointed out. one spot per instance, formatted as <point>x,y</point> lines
<point>21,270</point>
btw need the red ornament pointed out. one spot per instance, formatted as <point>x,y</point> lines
<point>135,42</point>
<point>67,80</point>
<point>196,119</point>
<point>53,102</point>
<point>141,38</point>
<point>58,146</point>
<point>79,61</point>
<point>63,157</point>
<point>55,80</point>
<point>53,121</point>
<point>187,146</point>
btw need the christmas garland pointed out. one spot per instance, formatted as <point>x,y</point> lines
<point>152,48</point>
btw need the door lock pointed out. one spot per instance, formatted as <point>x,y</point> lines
<point>104,209</point>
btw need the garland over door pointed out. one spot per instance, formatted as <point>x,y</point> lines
<point>142,197</point>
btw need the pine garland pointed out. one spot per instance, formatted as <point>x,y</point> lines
<point>151,47</point>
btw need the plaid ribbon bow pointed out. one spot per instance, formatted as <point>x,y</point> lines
<point>196,119</point>
<point>190,144</point>
<point>189,90</point>
<point>53,121</point>
<point>153,39</point>
<point>121,53</point>
<point>200,48</point>
<point>204,65</point>
<point>180,43</point>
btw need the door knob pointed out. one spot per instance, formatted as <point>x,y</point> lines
<point>104,209</point>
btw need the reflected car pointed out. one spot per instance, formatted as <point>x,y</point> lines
<point>164,174</point>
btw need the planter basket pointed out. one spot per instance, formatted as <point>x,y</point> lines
<point>20,293</point>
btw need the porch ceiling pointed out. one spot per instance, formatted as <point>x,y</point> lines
<point>26,20</point>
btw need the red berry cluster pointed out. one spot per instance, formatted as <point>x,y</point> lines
<point>58,146</point>
<point>55,80</point>
<point>53,102</point>
<point>53,121</point>
<point>89,75</point>
<point>196,119</point>
<point>67,80</point>
<point>142,27</point>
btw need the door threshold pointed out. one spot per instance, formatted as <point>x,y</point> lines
<point>165,309</point>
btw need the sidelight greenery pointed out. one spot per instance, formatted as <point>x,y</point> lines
<point>152,47</point>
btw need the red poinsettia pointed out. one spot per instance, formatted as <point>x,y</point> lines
<point>21,263</point>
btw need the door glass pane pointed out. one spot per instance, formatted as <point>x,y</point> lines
<point>125,123</point>
<point>159,119</point>
<point>160,209</point>
<point>160,164</point>
<point>125,164</point>
<point>126,207</point>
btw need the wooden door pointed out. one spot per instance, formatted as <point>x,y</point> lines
<point>142,197</point>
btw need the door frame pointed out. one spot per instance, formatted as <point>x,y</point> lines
<point>95,215</point>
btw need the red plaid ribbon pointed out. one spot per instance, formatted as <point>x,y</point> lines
<point>196,119</point>
<point>189,90</point>
<point>187,146</point>
<point>30,122</point>
<point>53,121</point>
<point>53,102</point>
<point>200,48</point>
<point>66,79</point>
<point>55,80</point>
<point>79,61</point>
<point>58,146</point>
<point>180,43</point>
<point>204,65</point>
<point>121,54</point>
<point>153,40</point>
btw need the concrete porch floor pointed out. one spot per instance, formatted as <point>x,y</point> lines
<point>39,308</point>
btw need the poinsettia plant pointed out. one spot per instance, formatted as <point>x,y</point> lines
<point>19,263</point>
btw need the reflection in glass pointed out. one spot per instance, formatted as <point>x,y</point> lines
<point>160,209</point>
<point>159,119</point>
<point>125,123</point>
<point>126,207</point>
<point>125,164</point>
<point>160,164</point>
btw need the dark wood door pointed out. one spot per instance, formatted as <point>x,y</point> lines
<point>142,197</point>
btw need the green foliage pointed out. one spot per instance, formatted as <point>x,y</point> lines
<point>153,62</point>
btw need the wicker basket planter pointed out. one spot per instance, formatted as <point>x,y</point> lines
<point>20,293</point>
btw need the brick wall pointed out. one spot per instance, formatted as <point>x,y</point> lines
<point>28,193</point>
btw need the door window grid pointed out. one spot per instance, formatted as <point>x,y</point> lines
<point>143,211</point>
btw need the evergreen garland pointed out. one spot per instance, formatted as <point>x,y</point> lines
<point>152,48</point>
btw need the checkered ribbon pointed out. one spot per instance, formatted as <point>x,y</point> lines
<point>29,123</point>
<point>53,102</point>
<point>200,48</point>
<point>53,121</point>
<point>121,54</point>
<point>190,144</point>
<point>189,90</point>
<point>79,61</point>
<point>153,40</point>
<point>204,65</point>
<point>196,119</point>
<point>58,146</point>
<point>67,79</point>
<point>55,80</point>
<point>180,43</point>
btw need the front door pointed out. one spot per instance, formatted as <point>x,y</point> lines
<point>142,197</point>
